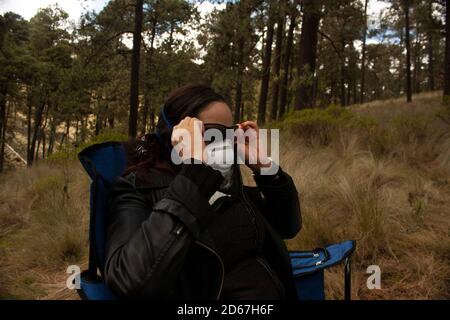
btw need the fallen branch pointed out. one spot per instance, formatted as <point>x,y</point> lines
<point>16,153</point>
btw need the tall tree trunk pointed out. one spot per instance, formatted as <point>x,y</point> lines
<point>342,71</point>
<point>77,132</point>
<point>431,81</point>
<point>447,51</point>
<point>39,140</point>
<point>148,86</point>
<point>262,105</point>
<point>15,112</point>
<point>3,124</point>
<point>42,136</point>
<point>146,107</point>
<point>363,59</point>
<point>277,61</point>
<point>2,145</point>
<point>135,63</point>
<point>245,11</point>
<point>65,134</point>
<point>417,62</point>
<point>406,6</point>
<point>286,62</point>
<point>98,124</point>
<point>36,130</point>
<point>352,73</point>
<point>111,120</point>
<point>84,129</point>
<point>52,136</point>
<point>44,140</point>
<point>29,112</point>
<point>307,54</point>
<point>240,73</point>
<point>430,49</point>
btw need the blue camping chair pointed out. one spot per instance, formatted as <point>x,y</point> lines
<point>105,162</point>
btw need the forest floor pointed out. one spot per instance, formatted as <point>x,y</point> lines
<point>387,186</point>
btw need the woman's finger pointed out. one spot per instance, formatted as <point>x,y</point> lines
<point>249,124</point>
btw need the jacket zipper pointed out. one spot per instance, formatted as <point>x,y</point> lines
<point>274,278</point>
<point>250,210</point>
<point>178,231</point>
<point>221,263</point>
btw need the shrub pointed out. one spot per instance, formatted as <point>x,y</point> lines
<point>410,128</point>
<point>320,127</point>
<point>317,126</point>
<point>103,137</point>
<point>69,152</point>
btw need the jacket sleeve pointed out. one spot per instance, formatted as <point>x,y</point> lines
<point>281,202</point>
<point>145,250</point>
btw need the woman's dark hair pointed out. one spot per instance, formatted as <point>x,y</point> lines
<point>153,149</point>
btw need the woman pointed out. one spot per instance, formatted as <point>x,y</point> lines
<point>193,231</point>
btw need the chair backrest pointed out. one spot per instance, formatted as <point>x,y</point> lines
<point>104,163</point>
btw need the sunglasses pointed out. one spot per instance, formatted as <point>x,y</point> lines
<point>221,128</point>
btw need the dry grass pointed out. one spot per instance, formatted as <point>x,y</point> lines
<point>395,203</point>
<point>43,228</point>
<point>388,188</point>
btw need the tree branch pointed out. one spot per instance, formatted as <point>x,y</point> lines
<point>332,43</point>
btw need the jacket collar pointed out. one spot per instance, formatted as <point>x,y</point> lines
<point>158,179</point>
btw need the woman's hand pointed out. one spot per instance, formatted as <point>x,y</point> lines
<point>255,155</point>
<point>187,139</point>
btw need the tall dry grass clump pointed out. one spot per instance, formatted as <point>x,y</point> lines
<point>43,228</point>
<point>380,177</point>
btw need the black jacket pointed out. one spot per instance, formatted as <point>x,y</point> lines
<point>156,246</point>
